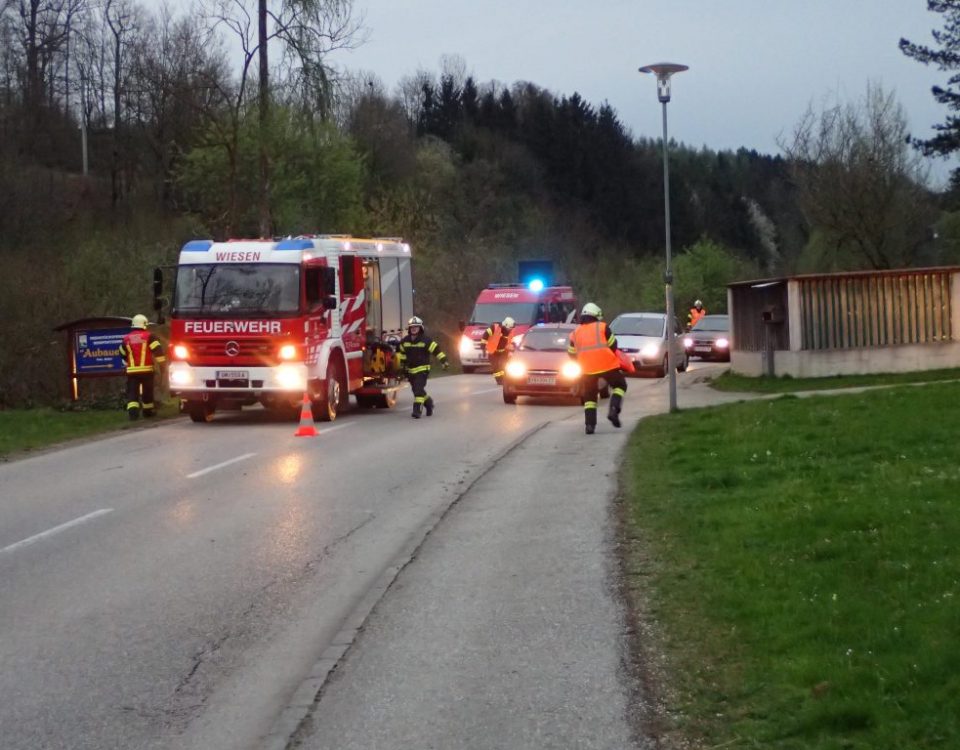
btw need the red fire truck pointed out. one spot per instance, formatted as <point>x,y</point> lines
<point>269,320</point>
<point>527,304</point>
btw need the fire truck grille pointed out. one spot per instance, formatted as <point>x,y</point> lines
<point>233,351</point>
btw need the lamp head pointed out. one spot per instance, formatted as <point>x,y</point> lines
<point>663,71</point>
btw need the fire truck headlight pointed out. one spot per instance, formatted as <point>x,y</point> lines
<point>180,374</point>
<point>180,352</point>
<point>570,370</point>
<point>288,352</point>
<point>291,378</point>
<point>466,345</point>
<point>516,369</point>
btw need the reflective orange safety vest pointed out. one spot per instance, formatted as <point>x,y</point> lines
<point>695,315</point>
<point>593,350</point>
<point>493,340</point>
<point>138,350</point>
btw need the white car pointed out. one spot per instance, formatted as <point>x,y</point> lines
<point>643,336</point>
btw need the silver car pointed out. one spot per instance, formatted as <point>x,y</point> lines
<point>643,336</point>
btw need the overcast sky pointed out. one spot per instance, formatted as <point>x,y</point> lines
<point>755,65</point>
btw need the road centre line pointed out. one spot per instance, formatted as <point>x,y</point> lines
<point>55,530</point>
<point>220,465</point>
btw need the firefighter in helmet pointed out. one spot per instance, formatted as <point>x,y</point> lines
<point>595,348</point>
<point>497,343</point>
<point>413,357</point>
<point>142,354</point>
<point>696,312</point>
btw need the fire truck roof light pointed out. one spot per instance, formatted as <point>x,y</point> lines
<point>197,246</point>
<point>535,285</point>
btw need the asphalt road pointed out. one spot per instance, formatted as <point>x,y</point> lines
<point>177,586</point>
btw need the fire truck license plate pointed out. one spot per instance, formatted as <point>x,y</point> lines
<point>542,380</point>
<point>232,375</point>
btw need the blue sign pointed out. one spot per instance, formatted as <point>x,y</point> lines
<point>98,351</point>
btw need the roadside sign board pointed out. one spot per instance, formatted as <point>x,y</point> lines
<point>97,351</point>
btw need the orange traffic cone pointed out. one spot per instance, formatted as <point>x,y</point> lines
<point>306,428</point>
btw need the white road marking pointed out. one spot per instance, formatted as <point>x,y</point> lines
<point>335,427</point>
<point>220,465</point>
<point>55,530</point>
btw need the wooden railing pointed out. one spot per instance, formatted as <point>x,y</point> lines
<point>878,309</point>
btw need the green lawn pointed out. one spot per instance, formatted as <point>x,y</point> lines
<point>727,381</point>
<point>29,429</point>
<point>802,559</point>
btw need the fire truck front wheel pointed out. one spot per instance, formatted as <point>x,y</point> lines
<point>329,395</point>
<point>200,411</point>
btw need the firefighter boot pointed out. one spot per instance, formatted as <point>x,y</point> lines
<point>133,414</point>
<point>416,410</point>
<point>590,420</point>
<point>428,405</point>
<point>614,414</point>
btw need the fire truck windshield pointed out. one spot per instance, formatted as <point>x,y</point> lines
<point>231,290</point>
<point>485,313</point>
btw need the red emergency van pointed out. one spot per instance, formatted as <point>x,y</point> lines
<point>526,304</point>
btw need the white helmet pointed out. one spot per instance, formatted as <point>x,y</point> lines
<point>139,321</point>
<point>415,321</point>
<point>508,322</point>
<point>698,303</point>
<point>592,310</point>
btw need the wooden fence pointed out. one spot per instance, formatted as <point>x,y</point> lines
<point>877,309</point>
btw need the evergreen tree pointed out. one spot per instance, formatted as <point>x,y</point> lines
<point>946,56</point>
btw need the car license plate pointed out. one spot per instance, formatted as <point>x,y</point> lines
<point>701,348</point>
<point>542,380</point>
<point>232,375</point>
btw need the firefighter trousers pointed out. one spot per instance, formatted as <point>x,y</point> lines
<point>590,393</point>
<point>497,361</point>
<point>140,394</point>
<point>418,382</point>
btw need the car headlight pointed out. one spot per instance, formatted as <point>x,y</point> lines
<point>516,369</point>
<point>291,378</point>
<point>650,351</point>
<point>722,343</point>
<point>570,370</point>
<point>466,344</point>
<point>687,342</point>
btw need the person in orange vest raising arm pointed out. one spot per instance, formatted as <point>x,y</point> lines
<point>696,312</point>
<point>497,343</point>
<point>141,352</point>
<point>595,349</point>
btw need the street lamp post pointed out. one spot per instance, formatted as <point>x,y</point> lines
<point>663,71</point>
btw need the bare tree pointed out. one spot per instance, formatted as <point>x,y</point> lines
<point>858,181</point>
<point>308,30</point>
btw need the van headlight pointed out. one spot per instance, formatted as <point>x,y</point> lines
<point>466,344</point>
<point>650,351</point>
<point>722,343</point>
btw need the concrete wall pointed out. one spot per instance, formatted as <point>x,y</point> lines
<point>816,364</point>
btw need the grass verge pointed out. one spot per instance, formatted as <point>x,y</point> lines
<point>30,429</point>
<point>728,381</point>
<point>800,558</point>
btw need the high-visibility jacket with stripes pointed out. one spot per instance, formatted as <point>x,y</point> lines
<point>414,354</point>
<point>496,340</point>
<point>140,350</point>
<point>694,316</point>
<point>594,347</point>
